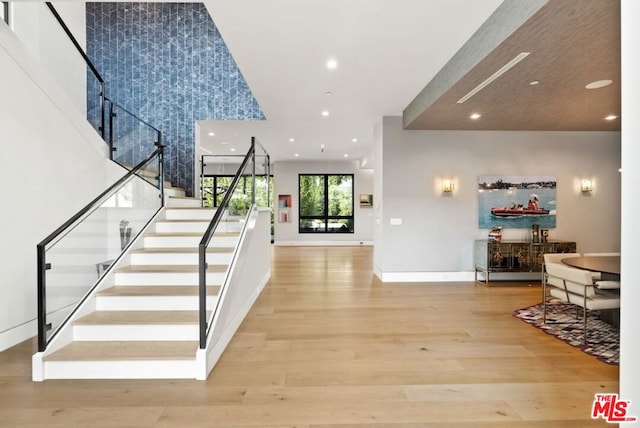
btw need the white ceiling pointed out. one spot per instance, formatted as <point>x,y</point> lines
<point>387,51</point>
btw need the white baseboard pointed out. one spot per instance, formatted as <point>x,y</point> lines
<point>452,276</point>
<point>322,243</point>
<point>424,276</point>
<point>18,334</point>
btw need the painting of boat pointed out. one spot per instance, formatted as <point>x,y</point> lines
<point>516,201</point>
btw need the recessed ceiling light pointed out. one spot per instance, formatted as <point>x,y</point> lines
<point>611,117</point>
<point>296,154</point>
<point>325,113</point>
<point>534,82</point>
<point>328,93</point>
<point>332,64</point>
<point>211,134</point>
<point>599,84</point>
<point>354,140</point>
<point>291,140</point>
<point>232,149</point>
<point>224,142</point>
<point>346,155</point>
<point>475,116</point>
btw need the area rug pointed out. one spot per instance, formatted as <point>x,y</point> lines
<point>603,338</point>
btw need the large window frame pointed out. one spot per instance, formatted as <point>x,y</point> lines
<point>325,222</point>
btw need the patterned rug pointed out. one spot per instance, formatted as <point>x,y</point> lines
<point>603,338</point>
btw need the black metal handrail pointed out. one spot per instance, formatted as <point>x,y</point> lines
<point>113,114</point>
<point>59,233</point>
<point>94,70</point>
<point>208,235</point>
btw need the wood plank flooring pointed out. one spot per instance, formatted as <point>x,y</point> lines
<point>328,346</point>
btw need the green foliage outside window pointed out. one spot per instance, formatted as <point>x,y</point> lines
<point>312,195</point>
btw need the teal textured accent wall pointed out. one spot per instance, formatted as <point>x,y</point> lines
<point>168,64</point>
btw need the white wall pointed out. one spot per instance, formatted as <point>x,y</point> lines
<point>630,290</point>
<point>378,191</point>
<point>438,232</point>
<point>285,182</point>
<point>52,163</point>
<point>37,28</point>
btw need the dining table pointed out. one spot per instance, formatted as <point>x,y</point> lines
<point>604,264</point>
<point>609,267</point>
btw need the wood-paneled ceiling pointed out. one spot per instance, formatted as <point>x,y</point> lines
<point>570,44</point>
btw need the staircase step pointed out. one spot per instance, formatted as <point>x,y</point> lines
<point>137,326</point>
<point>168,275</point>
<point>170,269</point>
<point>123,360</point>
<point>183,201</point>
<point>119,350</point>
<point>174,191</point>
<point>154,298</point>
<point>220,239</point>
<point>197,226</point>
<point>186,213</point>
<point>180,256</point>
<point>138,318</point>
<point>155,291</point>
<point>184,250</point>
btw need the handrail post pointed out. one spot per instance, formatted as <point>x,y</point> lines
<point>103,107</point>
<point>253,170</point>
<point>202,181</point>
<point>111,115</point>
<point>42,299</point>
<point>160,168</point>
<point>202,293</point>
<point>268,178</point>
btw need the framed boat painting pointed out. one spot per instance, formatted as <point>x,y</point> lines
<point>516,201</point>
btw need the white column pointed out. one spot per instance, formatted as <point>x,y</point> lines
<point>630,226</point>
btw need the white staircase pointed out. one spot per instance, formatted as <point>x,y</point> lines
<point>144,324</point>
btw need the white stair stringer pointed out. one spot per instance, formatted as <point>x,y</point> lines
<point>146,324</point>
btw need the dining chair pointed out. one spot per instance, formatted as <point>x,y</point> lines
<point>553,258</point>
<point>576,287</point>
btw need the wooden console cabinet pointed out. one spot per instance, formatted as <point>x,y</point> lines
<point>514,256</point>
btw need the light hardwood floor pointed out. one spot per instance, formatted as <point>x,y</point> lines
<point>328,346</point>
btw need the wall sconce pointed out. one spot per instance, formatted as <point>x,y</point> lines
<point>447,187</point>
<point>586,186</point>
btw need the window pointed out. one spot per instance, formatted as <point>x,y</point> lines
<point>214,188</point>
<point>326,203</point>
